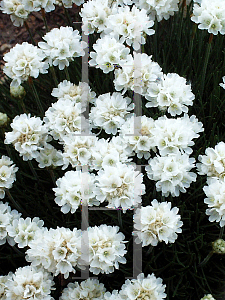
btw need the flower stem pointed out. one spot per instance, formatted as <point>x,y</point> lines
<point>67,73</point>
<point>30,34</point>
<point>120,218</point>
<point>44,19</point>
<point>205,260</point>
<point>31,83</point>
<point>52,70</point>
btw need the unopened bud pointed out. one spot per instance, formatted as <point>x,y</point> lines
<point>17,92</point>
<point>219,246</point>
<point>208,297</point>
<point>3,119</point>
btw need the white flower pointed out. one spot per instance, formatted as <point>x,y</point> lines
<point>62,45</point>
<point>73,189</point>
<point>160,9</point>
<point>170,93</point>
<point>29,283</point>
<point>90,289</point>
<point>213,163</point>
<point>210,15</point>
<point>218,246</point>
<point>49,157</point>
<point>106,248</point>
<point>23,231</point>
<point>130,25</point>
<point>112,296</point>
<point>208,297</point>
<point>171,173</point>
<point>109,53</point>
<point>223,84</point>
<point>16,10</point>
<point>3,287</point>
<point>36,5</point>
<point>110,112</point>
<point>69,3</point>
<point>143,288</point>
<point>157,223</point>
<point>60,252</point>
<point>121,186</point>
<point>23,61</point>
<point>7,174</point>
<point>138,74</point>
<point>29,135</point>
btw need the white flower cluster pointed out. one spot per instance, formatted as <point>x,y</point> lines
<point>29,283</point>
<point>23,61</point>
<point>160,9</point>
<point>7,174</point>
<point>219,246</point>
<point>3,287</point>
<point>69,3</point>
<point>6,218</point>
<point>157,223</point>
<point>73,189</point>
<point>106,248</point>
<point>60,252</point>
<point>109,53</point>
<point>210,15</point>
<point>110,112</point>
<point>61,46</point>
<point>223,84</point>
<point>121,186</point>
<point>49,157</point>
<point>208,297</point>
<point>143,288</point>
<point>130,25</point>
<point>138,74</point>
<point>172,173</point>
<point>36,5</point>
<point>16,10</point>
<point>23,231</point>
<point>76,93</point>
<point>90,289</point>
<point>29,135</point>
<point>171,93</point>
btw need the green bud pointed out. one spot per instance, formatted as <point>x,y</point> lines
<point>3,119</point>
<point>17,92</point>
<point>219,246</point>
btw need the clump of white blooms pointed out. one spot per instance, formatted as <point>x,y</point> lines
<point>77,150</point>
<point>109,53</point>
<point>60,252</point>
<point>49,157</point>
<point>22,61</point>
<point>210,15</point>
<point>6,218</point>
<point>76,93</point>
<point>23,231</point>
<point>223,84</point>
<point>69,3</point>
<point>3,287</point>
<point>62,46</point>
<point>36,5</point>
<point>172,93</point>
<point>213,163</point>
<point>29,283</point>
<point>174,135</point>
<point>137,74</point>
<point>157,223</point>
<point>110,112</point>
<point>160,9</point>
<point>143,288</point>
<point>3,119</point>
<point>29,135</point>
<point>138,134</point>
<point>94,14</point>
<point>215,193</point>
<point>208,297</point>
<point>109,153</point>
<point>90,289</point>
<point>7,174</point>
<point>219,246</point>
<point>73,189</point>
<point>106,248</point>
<point>112,296</point>
<point>64,118</point>
<point>121,186</point>
<point>172,173</point>
<point>16,10</point>
<point>130,25</point>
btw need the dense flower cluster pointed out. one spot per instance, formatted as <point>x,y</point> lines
<point>208,297</point>
<point>218,246</point>
<point>49,156</point>
<point>171,93</point>
<point>36,5</point>
<point>29,135</point>
<point>3,287</point>
<point>23,61</point>
<point>106,248</point>
<point>121,186</point>
<point>7,174</point>
<point>172,173</point>
<point>143,288</point>
<point>90,289</point>
<point>16,10</point>
<point>73,189</point>
<point>210,15</point>
<point>110,112</point>
<point>29,283</point>
<point>157,223</point>
<point>61,46</point>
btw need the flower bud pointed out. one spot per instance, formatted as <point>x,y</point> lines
<point>17,92</point>
<point>3,119</point>
<point>219,247</point>
<point>208,297</point>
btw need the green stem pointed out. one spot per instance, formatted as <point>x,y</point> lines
<point>44,19</point>
<point>52,70</point>
<point>31,83</point>
<point>68,18</point>
<point>33,171</point>
<point>120,218</point>
<point>17,206</point>
<point>205,260</point>
<point>67,73</point>
<point>29,32</point>
<point>221,232</point>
